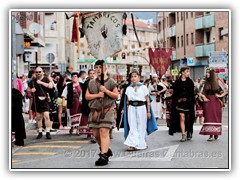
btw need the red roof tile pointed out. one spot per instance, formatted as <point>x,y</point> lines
<point>139,23</point>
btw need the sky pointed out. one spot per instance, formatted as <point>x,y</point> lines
<point>146,15</point>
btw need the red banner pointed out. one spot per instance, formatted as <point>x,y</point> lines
<point>74,30</point>
<point>160,60</point>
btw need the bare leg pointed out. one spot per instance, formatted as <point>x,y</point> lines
<point>96,134</point>
<point>39,117</point>
<point>182,122</point>
<point>105,140</point>
<point>47,121</point>
<point>60,115</point>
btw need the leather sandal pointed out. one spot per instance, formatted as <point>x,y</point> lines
<point>211,139</point>
<point>132,149</point>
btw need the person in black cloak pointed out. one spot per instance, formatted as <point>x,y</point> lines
<point>182,112</point>
<point>119,120</point>
<point>18,124</point>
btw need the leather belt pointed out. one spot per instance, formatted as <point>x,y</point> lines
<point>137,103</point>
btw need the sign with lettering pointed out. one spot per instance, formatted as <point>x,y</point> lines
<point>218,59</point>
<point>104,33</point>
<point>174,72</point>
<point>192,61</point>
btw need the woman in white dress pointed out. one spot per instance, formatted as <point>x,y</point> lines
<point>156,95</point>
<point>137,114</point>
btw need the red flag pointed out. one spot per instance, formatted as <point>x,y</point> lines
<point>74,30</point>
<point>160,60</point>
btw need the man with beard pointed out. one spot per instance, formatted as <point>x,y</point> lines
<point>40,86</point>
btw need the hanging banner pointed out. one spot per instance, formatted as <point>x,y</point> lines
<point>160,60</point>
<point>104,33</point>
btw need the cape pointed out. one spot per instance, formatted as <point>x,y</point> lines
<point>151,123</point>
<point>175,117</point>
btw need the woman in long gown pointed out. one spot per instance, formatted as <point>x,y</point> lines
<point>212,92</point>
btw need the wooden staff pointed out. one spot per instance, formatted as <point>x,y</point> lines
<point>102,83</point>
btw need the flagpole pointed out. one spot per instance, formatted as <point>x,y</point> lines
<point>78,35</point>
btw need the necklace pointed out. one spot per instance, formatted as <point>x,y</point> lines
<point>135,88</point>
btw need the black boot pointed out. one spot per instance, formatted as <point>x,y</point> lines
<point>189,135</point>
<point>39,135</point>
<point>109,153</point>
<point>103,160</point>
<point>48,136</point>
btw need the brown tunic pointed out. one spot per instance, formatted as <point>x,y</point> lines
<point>93,88</point>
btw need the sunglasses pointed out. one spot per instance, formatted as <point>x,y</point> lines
<point>38,72</point>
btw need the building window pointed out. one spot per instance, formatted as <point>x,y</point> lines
<point>192,38</point>
<point>181,16</point>
<point>177,17</point>
<point>83,52</point>
<point>167,22</point>
<point>126,47</point>
<point>208,36</point>
<point>192,14</point>
<point>123,55</point>
<point>133,46</point>
<point>163,24</point>
<point>220,33</point>
<point>207,13</point>
<point>82,45</point>
<point>182,41</point>
<point>186,15</point>
<point>159,26</point>
<point>133,53</point>
<point>83,67</point>
<point>178,42</point>
<point>115,57</point>
<point>155,43</point>
<point>147,43</point>
<point>187,40</point>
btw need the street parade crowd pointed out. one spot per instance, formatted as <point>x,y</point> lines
<point>95,104</point>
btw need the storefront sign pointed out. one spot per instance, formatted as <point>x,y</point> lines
<point>218,59</point>
<point>193,61</point>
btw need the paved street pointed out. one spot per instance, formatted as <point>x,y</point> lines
<point>164,151</point>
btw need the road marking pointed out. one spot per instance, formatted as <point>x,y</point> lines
<point>53,146</point>
<point>80,141</point>
<point>152,155</point>
<point>15,161</point>
<point>34,153</point>
<point>165,128</point>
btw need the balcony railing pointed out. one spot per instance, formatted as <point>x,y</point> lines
<point>203,50</point>
<point>205,22</point>
<point>172,31</point>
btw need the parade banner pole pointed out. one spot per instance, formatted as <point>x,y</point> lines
<point>78,35</point>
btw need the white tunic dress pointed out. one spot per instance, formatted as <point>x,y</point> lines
<point>156,106</point>
<point>137,118</point>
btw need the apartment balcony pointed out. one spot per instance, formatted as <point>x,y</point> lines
<point>174,55</point>
<point>203,50</point>
<point>205,22</point>
<point>172,31</point>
